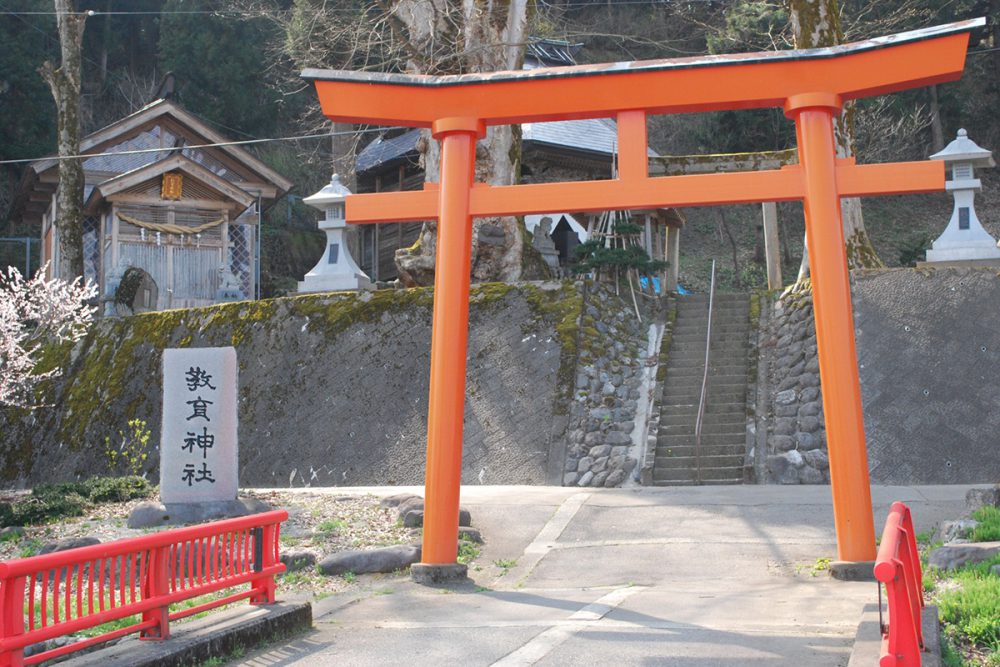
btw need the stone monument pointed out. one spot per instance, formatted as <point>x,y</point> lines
<point>336,270</point>
<point>199,471</point>
<point>964,240</point>
<point>542,241</point>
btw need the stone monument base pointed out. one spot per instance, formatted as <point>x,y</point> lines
<point>961,264</point>
<point>153,514</point>
<point>439,575</point>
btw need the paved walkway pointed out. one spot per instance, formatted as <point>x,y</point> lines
<point>651,576</point>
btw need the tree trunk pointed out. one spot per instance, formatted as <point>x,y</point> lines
<point>724,224</point>
<point>478,36</point>
<point>937,132</point>
<point>816,23</point>
<point>65,85</point>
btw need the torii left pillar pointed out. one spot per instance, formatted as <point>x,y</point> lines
<point>449,342</point>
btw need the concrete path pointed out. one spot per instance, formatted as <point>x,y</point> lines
<point>650,576</point>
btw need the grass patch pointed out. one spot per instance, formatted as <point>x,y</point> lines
<point>331,527</point>
<point>973,606</point>
<point>468,550</point>
<point>988,529</point>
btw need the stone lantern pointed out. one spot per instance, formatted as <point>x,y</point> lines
<point>336,270</point>
<point>964,239</point>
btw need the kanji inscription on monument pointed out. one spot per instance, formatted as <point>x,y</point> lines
<point>198,448</point>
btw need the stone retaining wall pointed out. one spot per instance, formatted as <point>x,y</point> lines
<point>928,356</point>
<point>333,389</point>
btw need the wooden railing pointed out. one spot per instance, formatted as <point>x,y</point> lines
<point>898,567</point>
<point>60,593</point>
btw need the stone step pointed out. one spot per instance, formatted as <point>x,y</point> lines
<point>706,450</point>
<point>720,439</point>
<point>717,337</point>
<point>685,366</point>
<point>697,336</point>
<point>723,312</point>
<point>715,346</point>
<point>718,385</point>
<point>707,428</point>
<point>678,415</point>
<point>719,297</point>
<point>718,323</point>
<point>664,463</point>
<point>670,475</point>
<point>704,482</point>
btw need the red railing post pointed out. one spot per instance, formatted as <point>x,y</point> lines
<point>12,619</point>
<point>265,542</point>
<point>898,567</point>
<point>157,585</point>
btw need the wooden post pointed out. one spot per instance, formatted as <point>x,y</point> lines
<point>673,257</point>
<point>772,250</point>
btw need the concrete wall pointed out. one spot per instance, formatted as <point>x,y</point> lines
<point>928,354</point>
<point>333,388</point>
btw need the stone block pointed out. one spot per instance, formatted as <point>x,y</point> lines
<point>816,458</point>
<point>809,424</point>
<point>586,463</point>
<point>617,438</point>
<point>785,410</point>
<point>602,450</point>
<point>785,397</point>
<point>615,478</point>
<point>385,559</point>
<point>198,446</point>
<point>298,560</point>
<point>570,478</point>
<point>585,479</point>
<point>781,443</point>
<point>784,426</point>
<point>952,556</point>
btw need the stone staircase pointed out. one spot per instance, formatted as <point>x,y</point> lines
<point>723,435</point>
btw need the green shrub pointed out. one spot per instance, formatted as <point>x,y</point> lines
<point>988,529</point>
<point>49,502</point>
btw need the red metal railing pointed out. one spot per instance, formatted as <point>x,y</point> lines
<point>898,567</point>
<point>68,591</point>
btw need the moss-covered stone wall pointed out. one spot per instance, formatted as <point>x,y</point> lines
<point>333,387</point>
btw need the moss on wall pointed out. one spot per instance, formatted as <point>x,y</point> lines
<point>114,373</point>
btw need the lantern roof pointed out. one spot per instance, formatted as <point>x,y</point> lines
<point>333,192</point>
<point>963,149</point>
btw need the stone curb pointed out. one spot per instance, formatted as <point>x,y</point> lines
<point>868,641</point>
<point>217,635</point>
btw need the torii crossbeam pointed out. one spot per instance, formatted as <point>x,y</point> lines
<point>810,85</point>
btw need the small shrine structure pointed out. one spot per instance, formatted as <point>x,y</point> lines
<point>964,241</point>
<point>165,200</point>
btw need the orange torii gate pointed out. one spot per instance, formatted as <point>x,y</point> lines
<point>811,85</point>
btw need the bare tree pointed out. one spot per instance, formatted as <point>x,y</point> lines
<point>816,23</point>
<point>452,38</point>
<point>64,82</point>
<point>428,37</point>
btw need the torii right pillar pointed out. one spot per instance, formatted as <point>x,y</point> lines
<point>814,116</point>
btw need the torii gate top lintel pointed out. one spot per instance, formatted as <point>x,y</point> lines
<point>701,83</point>
<point>810,85</point>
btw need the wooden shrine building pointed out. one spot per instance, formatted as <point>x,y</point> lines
<point>159,201</point>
